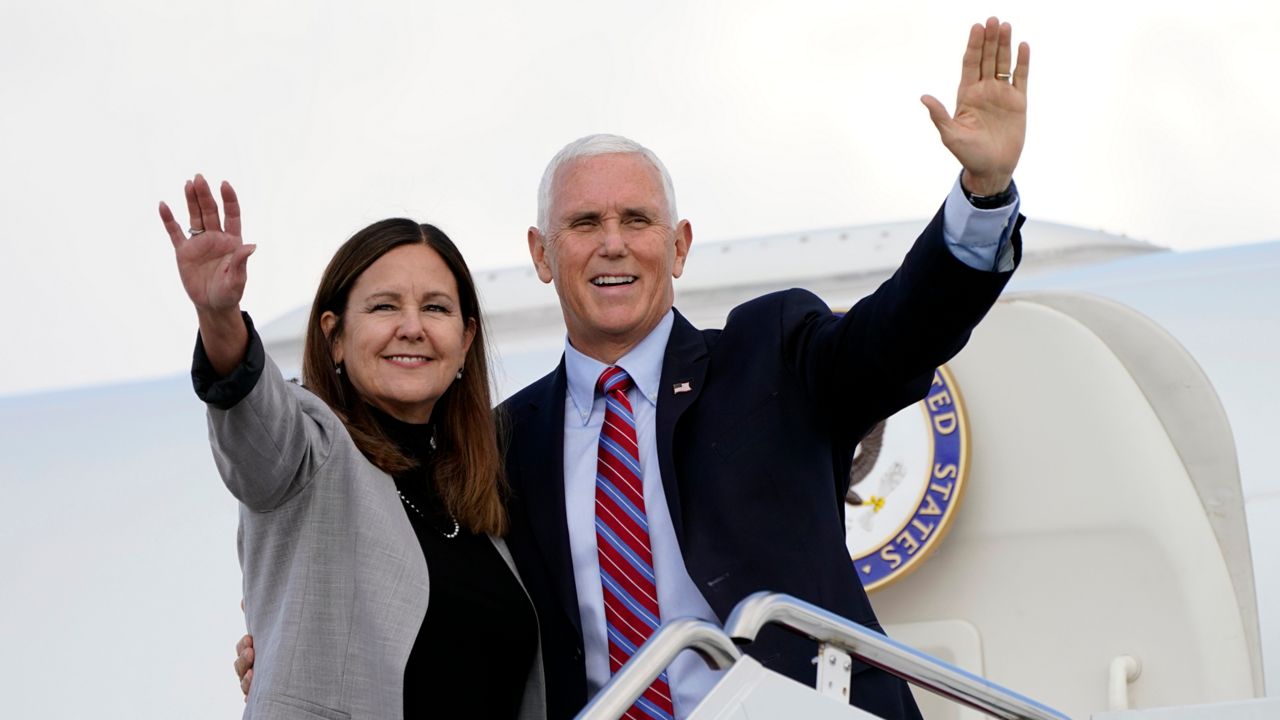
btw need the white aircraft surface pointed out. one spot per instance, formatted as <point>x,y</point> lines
<point>1081,511</point>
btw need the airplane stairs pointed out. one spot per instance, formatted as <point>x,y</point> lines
<point>750,691</point>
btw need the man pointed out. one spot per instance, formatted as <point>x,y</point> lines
<point>664,471</point>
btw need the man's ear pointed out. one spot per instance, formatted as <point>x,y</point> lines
<point>684,238</point>
<point>538,252</point>
<point>328,321</point>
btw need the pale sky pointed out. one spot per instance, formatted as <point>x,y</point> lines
<point>1156,120</point>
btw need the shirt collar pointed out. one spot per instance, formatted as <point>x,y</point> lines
<point>643,363</point>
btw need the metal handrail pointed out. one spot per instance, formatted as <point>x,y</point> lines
<point>762,608</point>
<point>653,657</point>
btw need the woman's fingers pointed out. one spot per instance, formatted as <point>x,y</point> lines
<point>193,206</point>
<point>231,208</point>
<point>240,259</point>
<point>212,266</point>
<point>202,207</point>
<point>171,226</point>
<point>209,219</point>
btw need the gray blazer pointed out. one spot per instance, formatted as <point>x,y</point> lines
<point>335,582</point>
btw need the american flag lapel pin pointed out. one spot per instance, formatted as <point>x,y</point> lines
<point>683,386</point>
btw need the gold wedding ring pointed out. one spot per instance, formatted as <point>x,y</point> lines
<point>1003,76</point>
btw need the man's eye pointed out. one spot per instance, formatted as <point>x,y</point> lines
<point>582,224</point>
<point>638,221</point>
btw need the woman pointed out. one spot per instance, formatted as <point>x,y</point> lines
<point>384,463</point>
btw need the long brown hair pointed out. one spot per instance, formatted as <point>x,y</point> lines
<point>468,469</point>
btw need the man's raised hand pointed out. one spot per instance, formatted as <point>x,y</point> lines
<point>989,127</point>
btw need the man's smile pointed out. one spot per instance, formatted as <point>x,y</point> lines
<point>612,280</point>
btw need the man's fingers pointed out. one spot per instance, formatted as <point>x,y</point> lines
<point>171,226</point>
<point>990,39</point>
<point>937,112</point>
<point>209,219</point>
<point>1024,64</point>
<point>971,67</point>
<point>1004,49</point>
<point>244,661</point>
<point>231,208</point>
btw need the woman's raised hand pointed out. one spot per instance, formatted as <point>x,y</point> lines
<point>212,261</point>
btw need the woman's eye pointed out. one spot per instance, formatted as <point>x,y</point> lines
<point>382,307</point>
<point>435,308</point>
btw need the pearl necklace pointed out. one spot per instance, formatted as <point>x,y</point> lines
<point>448,535</point>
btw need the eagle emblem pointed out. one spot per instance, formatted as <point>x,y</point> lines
<point>905,482</point>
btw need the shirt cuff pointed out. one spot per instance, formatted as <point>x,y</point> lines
<point>981,239</point>
<point>223,392</point>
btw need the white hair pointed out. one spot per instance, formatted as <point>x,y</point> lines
<point>590,146</point>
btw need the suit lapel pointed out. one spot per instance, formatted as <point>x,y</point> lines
<point>684,367</point>
<point>542,486</point>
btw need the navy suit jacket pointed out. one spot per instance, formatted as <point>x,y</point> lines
<point>755,458</point>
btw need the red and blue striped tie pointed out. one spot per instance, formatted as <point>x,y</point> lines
<point>622,540</point>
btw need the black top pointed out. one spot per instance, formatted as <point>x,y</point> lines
<point>477,642</point>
